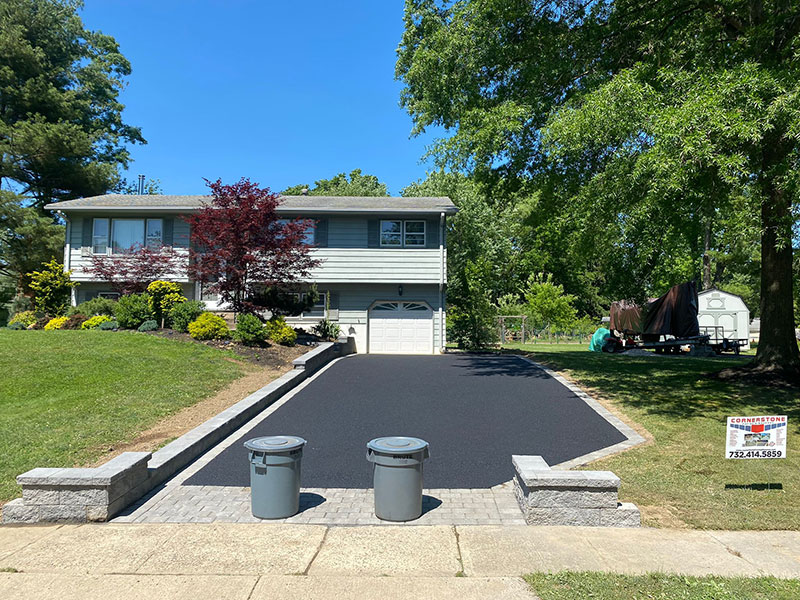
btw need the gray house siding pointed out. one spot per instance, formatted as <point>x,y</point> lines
<point>347,233</point>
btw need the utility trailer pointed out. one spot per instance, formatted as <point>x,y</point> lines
<point>719,343</point>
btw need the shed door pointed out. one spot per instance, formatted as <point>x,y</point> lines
<point>400,328</point>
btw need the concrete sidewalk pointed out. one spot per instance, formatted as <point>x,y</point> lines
<point>253,561</point>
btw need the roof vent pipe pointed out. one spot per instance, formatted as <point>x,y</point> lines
<point>141,185</point>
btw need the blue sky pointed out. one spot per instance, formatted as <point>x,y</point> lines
<point>280,92</point>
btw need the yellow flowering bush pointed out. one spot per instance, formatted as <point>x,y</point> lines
<point>209,326</point>
<point>56,323</point>
<point>95,321</point>
<point>26,318</point>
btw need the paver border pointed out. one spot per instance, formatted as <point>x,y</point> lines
<point>633,438</point>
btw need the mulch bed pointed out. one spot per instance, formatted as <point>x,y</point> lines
<point>265,355</point>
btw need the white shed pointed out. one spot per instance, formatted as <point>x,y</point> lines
<point>723,315</point>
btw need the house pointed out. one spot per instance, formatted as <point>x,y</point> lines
<point>382,275</point>
<point>723,315</point>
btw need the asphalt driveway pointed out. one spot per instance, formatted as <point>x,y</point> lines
<point>474,410</point>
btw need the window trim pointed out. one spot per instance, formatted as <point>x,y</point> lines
<point>403,233</point>
<point>160,239</point>
<point>380,233</point>
<point>424,233</point>
<point>109,237</point>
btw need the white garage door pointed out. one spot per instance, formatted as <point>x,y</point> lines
<point>400,328</point>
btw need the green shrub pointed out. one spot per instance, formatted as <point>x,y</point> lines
<point>209,326</point>
<point>109,325</point>
<point>52,288</point>
<point>95,306</point>
<point>133,310</point>
<point>249,330</point>
<point>16,326</point>
<point>56,323</point>
<point>182,314</point>
<point>280,333</point>
<point>327,330</point>
<point>26,318</point>
<point>163,295</point>
<point>74,321</point>
<point>150,325</point>
<point>95,321</point>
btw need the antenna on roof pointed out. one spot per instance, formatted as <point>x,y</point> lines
<point>141,185</point>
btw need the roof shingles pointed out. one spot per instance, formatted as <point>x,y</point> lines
<point>300,203</point>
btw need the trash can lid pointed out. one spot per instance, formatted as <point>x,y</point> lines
<point>275,443</point>
<point>397,444</point>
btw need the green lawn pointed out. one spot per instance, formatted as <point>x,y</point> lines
<point>605,586</point>
<point>683,479</point>
<point>65,396</point>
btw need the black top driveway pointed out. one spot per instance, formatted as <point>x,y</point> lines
<point>474,410</point>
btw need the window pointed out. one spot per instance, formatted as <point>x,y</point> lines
<point>399,234</point>
<point>100,236</point>
<point>154,233</point>
<point>308,235</point>
<point>124,235</point>
<point>207,295</point>
<point>316,311</point>
<point>414,234</point>
<point>392,234</point>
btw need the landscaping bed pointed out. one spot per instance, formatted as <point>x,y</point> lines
<point>682,478</point>
<point>266,354</point>
<point>69,398</point>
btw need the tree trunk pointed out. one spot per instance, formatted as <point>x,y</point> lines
<point>707,257</point>
<point>777,346</point>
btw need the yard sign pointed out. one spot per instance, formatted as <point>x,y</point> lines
<point>756,437</point>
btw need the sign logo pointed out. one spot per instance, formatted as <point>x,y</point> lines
<point>756,437</point>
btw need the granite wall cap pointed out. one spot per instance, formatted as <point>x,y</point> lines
<point>300,362</point>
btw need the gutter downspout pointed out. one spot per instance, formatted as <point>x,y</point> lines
<point>73,293</point>
<point>441,283</point>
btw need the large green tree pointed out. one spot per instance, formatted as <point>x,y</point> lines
<point>354,184</point>
<point>61,128</point>
<point>652,128</point>
<point>27,240</point>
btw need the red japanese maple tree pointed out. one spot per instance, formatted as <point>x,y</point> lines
<point>133,271</point>
<point>241,248</point>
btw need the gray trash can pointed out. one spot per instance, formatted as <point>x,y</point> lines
<point>397,476</point>
<point>275,475</point>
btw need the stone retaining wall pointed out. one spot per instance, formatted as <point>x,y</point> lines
<point>555,497</point>
<point>97,494</point>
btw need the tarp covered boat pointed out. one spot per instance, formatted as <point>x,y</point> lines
<point>674,313</point>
